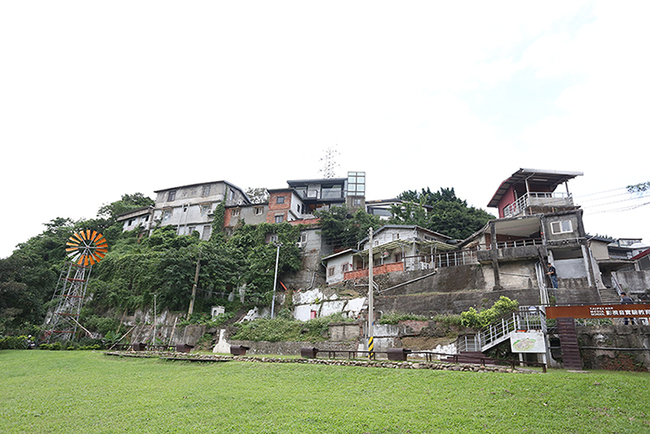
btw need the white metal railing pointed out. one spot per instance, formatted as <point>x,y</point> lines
<point>527,318</point>
<point>500,330</point>
<point>439,260</point>
<point>520,205</point>
<point>524,242</point>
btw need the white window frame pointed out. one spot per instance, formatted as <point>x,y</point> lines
<point>561,227</point>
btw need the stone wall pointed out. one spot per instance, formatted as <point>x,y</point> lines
<point>615,347</point>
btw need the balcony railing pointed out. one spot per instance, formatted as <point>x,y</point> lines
<point>530,200</point>
<point>323,194</point>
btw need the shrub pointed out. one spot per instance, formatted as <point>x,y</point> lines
<point>14,342</point>
<point>477,320</point>
<point>396,317</point>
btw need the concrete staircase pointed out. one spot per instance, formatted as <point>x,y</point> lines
<point>609,296</point>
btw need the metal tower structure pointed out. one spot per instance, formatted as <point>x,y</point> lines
<point>329,163</point>
<point>85,248</point>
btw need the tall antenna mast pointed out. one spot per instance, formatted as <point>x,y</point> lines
<point>329,163</point>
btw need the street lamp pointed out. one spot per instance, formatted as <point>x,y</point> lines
<point>275,280</point>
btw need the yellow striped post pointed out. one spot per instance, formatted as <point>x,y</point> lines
<point>371,347</point>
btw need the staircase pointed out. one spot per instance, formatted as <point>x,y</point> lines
<point>609,296</point>
<point>499,331</point>
<point>566,328</point>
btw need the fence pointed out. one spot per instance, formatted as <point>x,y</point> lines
<point>447,259</point>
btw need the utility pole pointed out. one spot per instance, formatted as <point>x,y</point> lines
<point>275,279</point>
<point>153,340</point>
<point>371,310</point>
<point>196,281</point>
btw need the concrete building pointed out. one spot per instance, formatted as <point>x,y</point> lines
<point>138,218</point>
<point>190,207</point>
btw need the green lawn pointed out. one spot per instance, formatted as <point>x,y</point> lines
<point>89,392</point>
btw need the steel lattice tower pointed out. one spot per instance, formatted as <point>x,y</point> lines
<point>85,248</point>
<point>62,323</point>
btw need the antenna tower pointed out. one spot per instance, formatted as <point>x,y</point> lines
<point>329,163</point>
<point>85,248</point>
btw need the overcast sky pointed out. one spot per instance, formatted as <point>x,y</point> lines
<point>99,99</point>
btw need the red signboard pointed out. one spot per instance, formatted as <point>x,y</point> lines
<point>599,311</point>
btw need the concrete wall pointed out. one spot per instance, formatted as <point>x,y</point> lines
<point>635,282</point>
<point>603,347</point>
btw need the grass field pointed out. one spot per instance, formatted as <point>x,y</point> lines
<point>89,392</point>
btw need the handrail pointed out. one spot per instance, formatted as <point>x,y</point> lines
<point>537,199</point>
<point>500,330</point>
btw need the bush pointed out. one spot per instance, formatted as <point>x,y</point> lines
<point>14,342</point>
<point>396,317</point>
<point>283,329</point>
<point>477,320</point>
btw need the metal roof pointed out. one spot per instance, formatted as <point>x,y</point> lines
<point>549,178</point>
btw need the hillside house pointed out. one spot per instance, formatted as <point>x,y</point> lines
<point>251,214</point>
<point>190,207</point>
<point>395,248</point>
<point>141,217</point>
<point>536,225</point>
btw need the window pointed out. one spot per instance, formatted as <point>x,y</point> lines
<point>279,199</point>
<point>167,214</point>
<point>258,210</point>
<point>207,231</point>
<point>331,271</point>
<point>561,227</point>
<point>279,218</point>
<point>345,268</point>
<point>185,207</point>
<point>205,191</point>
<point>395,236</point>
<point>131,221</point>
<point>171,196</point>
<point>273,239</point>
<point>205,209</point>
<point>236,212</point>
<point>190,230</point>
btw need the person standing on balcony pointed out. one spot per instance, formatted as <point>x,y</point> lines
<point>552,273</point>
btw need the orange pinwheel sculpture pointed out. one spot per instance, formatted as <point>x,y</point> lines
<point>86,247</point>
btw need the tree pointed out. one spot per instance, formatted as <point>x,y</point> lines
<point>341,229</point>
<point>128,202</point>
<point>258,195</point>
<point>441,211</point>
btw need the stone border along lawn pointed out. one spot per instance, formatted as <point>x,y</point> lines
<point>209,358</point>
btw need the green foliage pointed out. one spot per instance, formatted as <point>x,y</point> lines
<point>128,202</point>
<point>448,320</point>
<point>285,329</point>
<point>341,229</point>
<point>441,212</point>
<point>396,317</point>
<point>477,320</point>
<point>13,342</point>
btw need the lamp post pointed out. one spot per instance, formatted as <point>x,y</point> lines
<point>371,310</point>
<point>275,279</point>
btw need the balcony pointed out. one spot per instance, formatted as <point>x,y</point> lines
<point>324,194</point>
<point>539,202</point>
